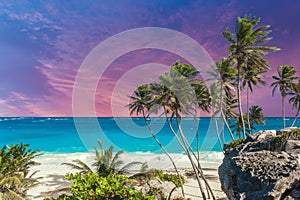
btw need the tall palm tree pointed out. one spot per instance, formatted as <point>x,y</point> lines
<point>253,77</point>
<point>226,74</point>
<point>295,99</point>
<point>283,82</point>
<point>176,95</point>
<point>140,103</point>
<point>248,50</point>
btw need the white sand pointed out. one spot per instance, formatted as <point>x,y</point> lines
<point>51,171</point>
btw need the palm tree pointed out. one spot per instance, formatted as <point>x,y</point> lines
<point>247,49</point>
<point>256,116</point>
<point>284,83</point>
<point>226,73</point>
<point>177,96</point>
<point>237,127</point>
<point>106,163</point>
<point>141,104</point>
<point>253,77</point>
<point>15,164</point>
<point>295,99</point>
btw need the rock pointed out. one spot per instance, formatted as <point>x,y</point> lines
<point>288,129</point>
<point>264,135</point>
<point>253,170</point>
<point>292,146</point>
<point>161,188</point>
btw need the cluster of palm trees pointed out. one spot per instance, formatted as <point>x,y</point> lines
<point>181,92</point>
<point>246,52</point>
<point>178,93</point>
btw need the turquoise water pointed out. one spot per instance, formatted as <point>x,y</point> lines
<point>62,135</point>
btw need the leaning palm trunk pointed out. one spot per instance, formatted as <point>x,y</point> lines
<point>240,101</point>
<point>194,166</point>
<point>166,152</point>
<point>199,169</point>
<point>248,114</point>
<point>296,117</point>
<point>186,150</point>
<point>218,136</point>
<point>217,131</point>
<point>283,112</point>
<point>198,151</point>
<point>221,107</point>
<point>227,125</point>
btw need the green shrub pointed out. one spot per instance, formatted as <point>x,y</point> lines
<point>158,174</point>
<point>168,177</point>
<point>233,144</point>
<point>277,143</point>
<point>92,186</point>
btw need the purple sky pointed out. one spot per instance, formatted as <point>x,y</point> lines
<point>42,46</point>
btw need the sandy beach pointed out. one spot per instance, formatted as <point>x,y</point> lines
<point>51,172</point>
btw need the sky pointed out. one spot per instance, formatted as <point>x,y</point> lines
<point>44,44</point>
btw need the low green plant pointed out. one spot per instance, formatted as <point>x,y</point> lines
<point>233,144</point>
<point>106,163</point>
<point>91,186</point>
<point>159,174</point>
<point>277,143</point>
<point>168,177</point>
<point>15,162</point>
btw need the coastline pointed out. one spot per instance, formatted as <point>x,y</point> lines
<point>51,172</point>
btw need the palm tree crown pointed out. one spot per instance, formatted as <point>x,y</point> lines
<point>295,99</point>
<point>247,49</point>
<point>284,82</point>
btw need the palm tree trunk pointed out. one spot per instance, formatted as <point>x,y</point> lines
<point>296,116</point>
<point>239,100</point>
<point>283,112</point>
<point>195,169</point>
<point>248,117</point>
<point>197,138</point>
<point>217,131</point>
<point>186,150</point>
<point>221,108</point>
<point>227,125</point>
<point>166,152</point>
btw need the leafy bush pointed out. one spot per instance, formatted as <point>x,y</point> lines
<point>106,163</point>
<point>15,162</point>
<point>233,144</point>
<point>277,143</point>
<point>158,174</point>
<point>92,186</point>
<point>168,177</point>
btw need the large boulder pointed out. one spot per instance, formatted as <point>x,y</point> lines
<point>264,166</point>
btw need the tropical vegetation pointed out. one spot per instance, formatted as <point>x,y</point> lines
<point>109,179</point>
<point>91,186</point>
<point>15,176</point>
<point>247,49</point>
<point>178,93</point>
<point>284,83</point>
<point>106,163</point>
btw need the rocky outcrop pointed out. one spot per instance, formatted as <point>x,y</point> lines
<point>264,166</point>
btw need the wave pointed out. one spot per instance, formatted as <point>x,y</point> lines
<point>154,160</point>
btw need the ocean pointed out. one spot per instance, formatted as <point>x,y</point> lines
<point>70,135</point>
